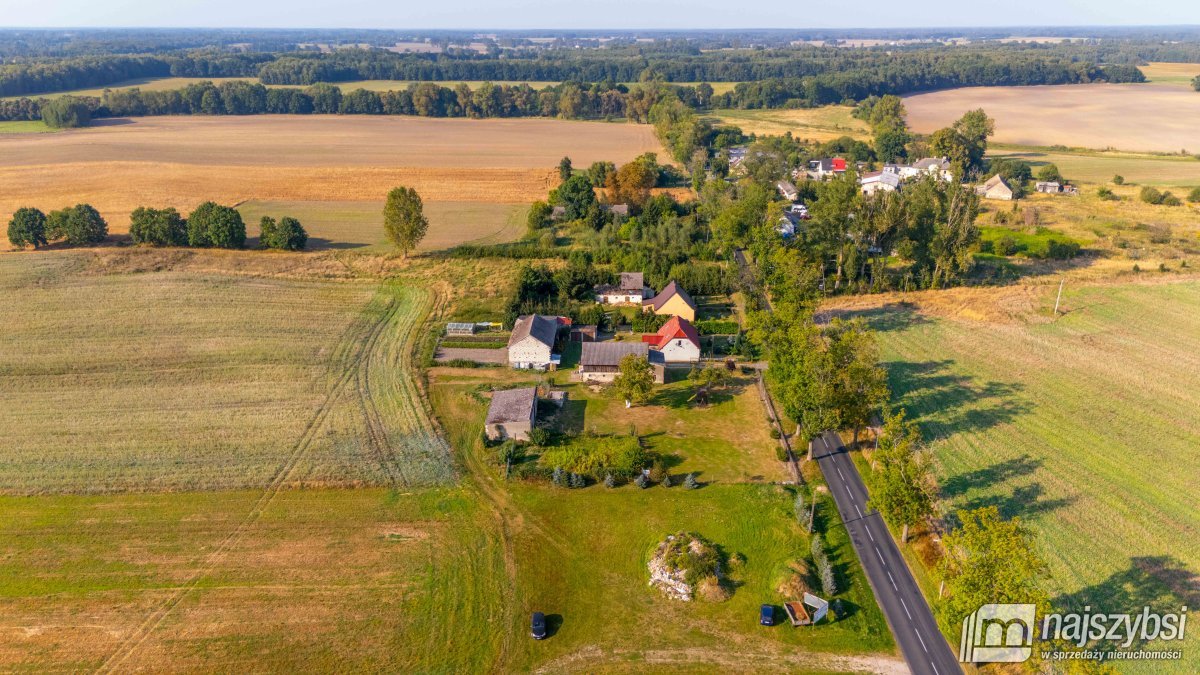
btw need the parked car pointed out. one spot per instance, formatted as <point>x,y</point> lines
<point>537,627</point>
<point>767,615</point>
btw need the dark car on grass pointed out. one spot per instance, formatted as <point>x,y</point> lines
<point>537,627</point>
<point>766,615</point>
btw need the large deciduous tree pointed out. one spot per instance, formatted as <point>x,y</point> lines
<point>404,219</point>
<point>158,227</point>
<point>27,228</point>
<point>66,112</point>
<point>79,225</point>
<point>904,491</point>
<point>635,379</point>
<point>213,225</point>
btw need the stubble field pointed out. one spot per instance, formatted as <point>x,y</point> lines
<point>1139,117</point>
<point>317,160</point>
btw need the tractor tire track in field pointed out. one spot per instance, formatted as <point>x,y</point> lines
<point>373,328</point>
<point>376,432</point>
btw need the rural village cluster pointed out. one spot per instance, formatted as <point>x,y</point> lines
<point>713,350</point>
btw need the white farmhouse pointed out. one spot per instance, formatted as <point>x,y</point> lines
<point>532,342</point>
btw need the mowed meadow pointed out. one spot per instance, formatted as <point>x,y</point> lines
<point>182,380</point>
<point>476,176</point>
<point>1084,426</point>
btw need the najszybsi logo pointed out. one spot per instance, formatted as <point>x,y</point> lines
<point>1003,633</point>
<point>998,633</point>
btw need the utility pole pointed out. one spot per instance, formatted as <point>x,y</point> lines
<point>1059,298</point>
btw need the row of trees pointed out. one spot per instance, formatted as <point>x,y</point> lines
<point>210,225</point>
<point>79,225</point>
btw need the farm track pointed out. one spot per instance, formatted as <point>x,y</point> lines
<point>352,337</point>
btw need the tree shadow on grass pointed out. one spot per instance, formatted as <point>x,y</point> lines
<point>1024,502</point>
<point>1161,583</point>
<point>999,472</point>
<point>961,403</point>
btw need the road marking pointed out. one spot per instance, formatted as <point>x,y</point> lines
<point>880,556</point>
<point>840,474</point>
<point>824,443</point>
<point>860,515</point>
<point>902,602</point>
<point>935,670</point>
<point>869,534</point>
<point>922,640</point>
<point>894,586</point>
<point>848,490</point>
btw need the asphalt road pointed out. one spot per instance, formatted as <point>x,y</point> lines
<point>907,613</point>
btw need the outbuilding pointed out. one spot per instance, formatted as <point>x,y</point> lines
<point>511,414</point>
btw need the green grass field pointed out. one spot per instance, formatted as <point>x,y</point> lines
<point>336,224</point>
<point>180,380</point>
<point>35,127</point>
<point>816,124</point>
<point>1084,426</point>
<point>1098,167</point>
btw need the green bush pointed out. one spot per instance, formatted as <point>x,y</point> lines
<point>1005,245</point>
<point>66,112</point>
<point>1118,180</point>
<point>1053,249</point>
<point>79,225</point>
<point>213,225</point>
<point>717,327</point>
<point>1106,194</point>
<point>286,235</point>
<point>1194,195</point>
<point>1150,195</point>
<point>620,455</point>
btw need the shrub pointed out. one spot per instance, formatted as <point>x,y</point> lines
<point>286,235</point>
<point>689,482</point>
<point>717,327</point>
<point>461,363</point>
<point>66,112</point>
<point>1118,180</point>
<point>1006,245</point>
<point>557,477</point>
<point>609,481</point>
<point>666,481</point>
<point>1150,195</point>
<point>1106,194</point>
<point>576,481</point>
<point>641,481</point>
<point>1053,249</point>
<point>539,436</point>
<point>620,455</point>
<point>1169,199</point>
<point>157,227</point>
<point>27,228</point>
<point>1194,195</point>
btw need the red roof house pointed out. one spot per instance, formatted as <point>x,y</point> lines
<point>677,340</point>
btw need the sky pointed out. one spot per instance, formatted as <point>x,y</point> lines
<point>516,14</point>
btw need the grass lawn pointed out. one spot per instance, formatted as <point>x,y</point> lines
<point>179,380</point>
<point>33,127</point>
<point>581,558</point>
<point>1084,426</point>
<point>358,224</point>
<point>817,124</point>
<point>1098,167</point>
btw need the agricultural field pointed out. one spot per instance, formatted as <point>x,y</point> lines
<point>1083,426</point>
<point>183,161</point>
<point>145,84</point>
<point>346,224</point>
<point>1079,165</point>
<point>1132,117</point>
<point>306,580</point>
<point>194,380</point>
<point>1178,74</point>
<point>816,124</point>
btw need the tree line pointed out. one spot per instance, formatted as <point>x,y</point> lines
<point>209,225</point>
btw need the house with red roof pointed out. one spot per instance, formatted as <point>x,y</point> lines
<point>677,341</point>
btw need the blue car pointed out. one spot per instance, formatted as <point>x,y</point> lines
<point>766,616</point>
<point>537,627</point>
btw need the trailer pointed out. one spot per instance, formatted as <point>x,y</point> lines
<point>796,613</point>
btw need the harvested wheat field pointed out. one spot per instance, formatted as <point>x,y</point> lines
<point>182,161</point>
<point>1144,117</point>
